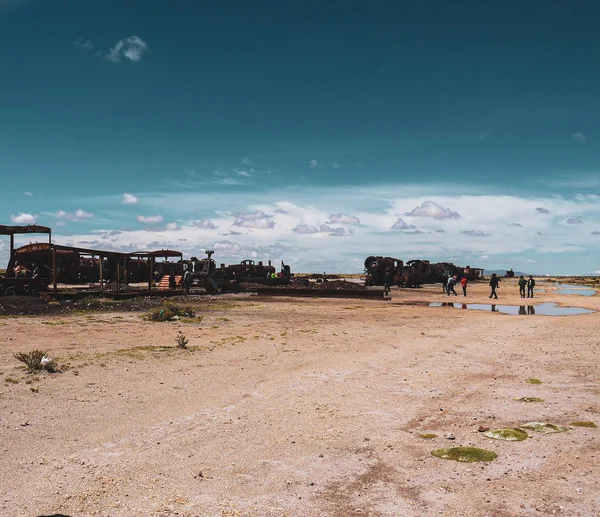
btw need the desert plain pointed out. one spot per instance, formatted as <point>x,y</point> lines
<point>302,407</point>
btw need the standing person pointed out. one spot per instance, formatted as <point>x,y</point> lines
<point>172,284</point>
<point>494,281</point>
<point>187,281</point>
<point>450,286</point>
<point>522,284</point>
<point>530,286</point>
<point>444,282</point>
<point>387,278</point>
<point>18,270</point>
<point>463,282</point>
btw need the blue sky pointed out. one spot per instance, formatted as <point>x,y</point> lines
<point>317,132</point>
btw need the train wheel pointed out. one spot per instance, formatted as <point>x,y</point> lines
<point>10,291</point>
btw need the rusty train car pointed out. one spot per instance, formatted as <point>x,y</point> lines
<point>249,271</point>
<point>383,270</point>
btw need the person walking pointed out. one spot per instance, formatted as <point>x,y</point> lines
<point>444,282</point>
<point>494,281</point>
<point>172,284</point>
<point>463,282</point>
<point>187,281</point>
<point>530,286</point>
<point>450,286</point>
<point>522,284</point>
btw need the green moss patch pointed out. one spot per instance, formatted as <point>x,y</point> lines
<point>510,435</point>
<point>544,427</point>
<point>529,399</point>
<point>428,436</point>
<point>533,381</point>
<point>583,424</point>
<point>465,454</point>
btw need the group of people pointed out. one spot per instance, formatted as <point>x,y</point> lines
<point>529,283</point>
<point>448,285</point>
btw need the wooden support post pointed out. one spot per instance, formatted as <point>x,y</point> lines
<point>101,278</point>
<point>118,277</point>
<point>54,279</point>
<point>150,271</point>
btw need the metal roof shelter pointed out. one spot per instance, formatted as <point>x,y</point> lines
<point>53,250</point>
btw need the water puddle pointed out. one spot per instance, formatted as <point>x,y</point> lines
<point>544,309</point>
<point>581,292</point>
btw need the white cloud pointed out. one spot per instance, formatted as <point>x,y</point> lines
<point>305,229</point>
<point>343,219</point>
<point>433,210</point>
<point>78,215</point>
<point>580,137</point>
<point>204,223</point>
<point>298,219</point>
<point>335,165</point>
<point>530,261</point>
<point>150,219</point>
<point>171,226</point>
<point>22,218</point>
<point>335,232</point>
<point>85,44</point>
<point>482,137</point>
<point>313,164</point>
<point>131,48</point>
<point>484,257</point>
<point>474,233</point>
<point>129,199</point>
<point>82,214</point>
<point>27,193</point>
<point>401,224</point>
<point>256,219</point>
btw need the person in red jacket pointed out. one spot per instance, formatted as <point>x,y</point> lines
<point>463,282</point>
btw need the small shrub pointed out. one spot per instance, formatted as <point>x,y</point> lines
<point>169,312</point>
<point>182,341</point>
<point>36,360</point>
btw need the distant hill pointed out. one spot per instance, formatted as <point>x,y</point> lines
<point>502,272</point>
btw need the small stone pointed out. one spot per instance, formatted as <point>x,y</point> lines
<point>483,429</point>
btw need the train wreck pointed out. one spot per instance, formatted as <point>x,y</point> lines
<point>414,273</point>
<point>39,267</point>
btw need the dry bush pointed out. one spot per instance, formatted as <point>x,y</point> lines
<point>36,361</point>
<point>169,312</point>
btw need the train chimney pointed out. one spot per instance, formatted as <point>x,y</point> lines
<point>260,263</point>
<point>269,262</point>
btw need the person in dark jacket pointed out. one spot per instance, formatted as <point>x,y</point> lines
<point>172,284</point>
<point>530,286</point>
<point>522,284</point>
<point>494,281</point>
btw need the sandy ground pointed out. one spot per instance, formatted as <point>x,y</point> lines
<point>302,407</point>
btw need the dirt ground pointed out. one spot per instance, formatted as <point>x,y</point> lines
<point>302,407</point>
